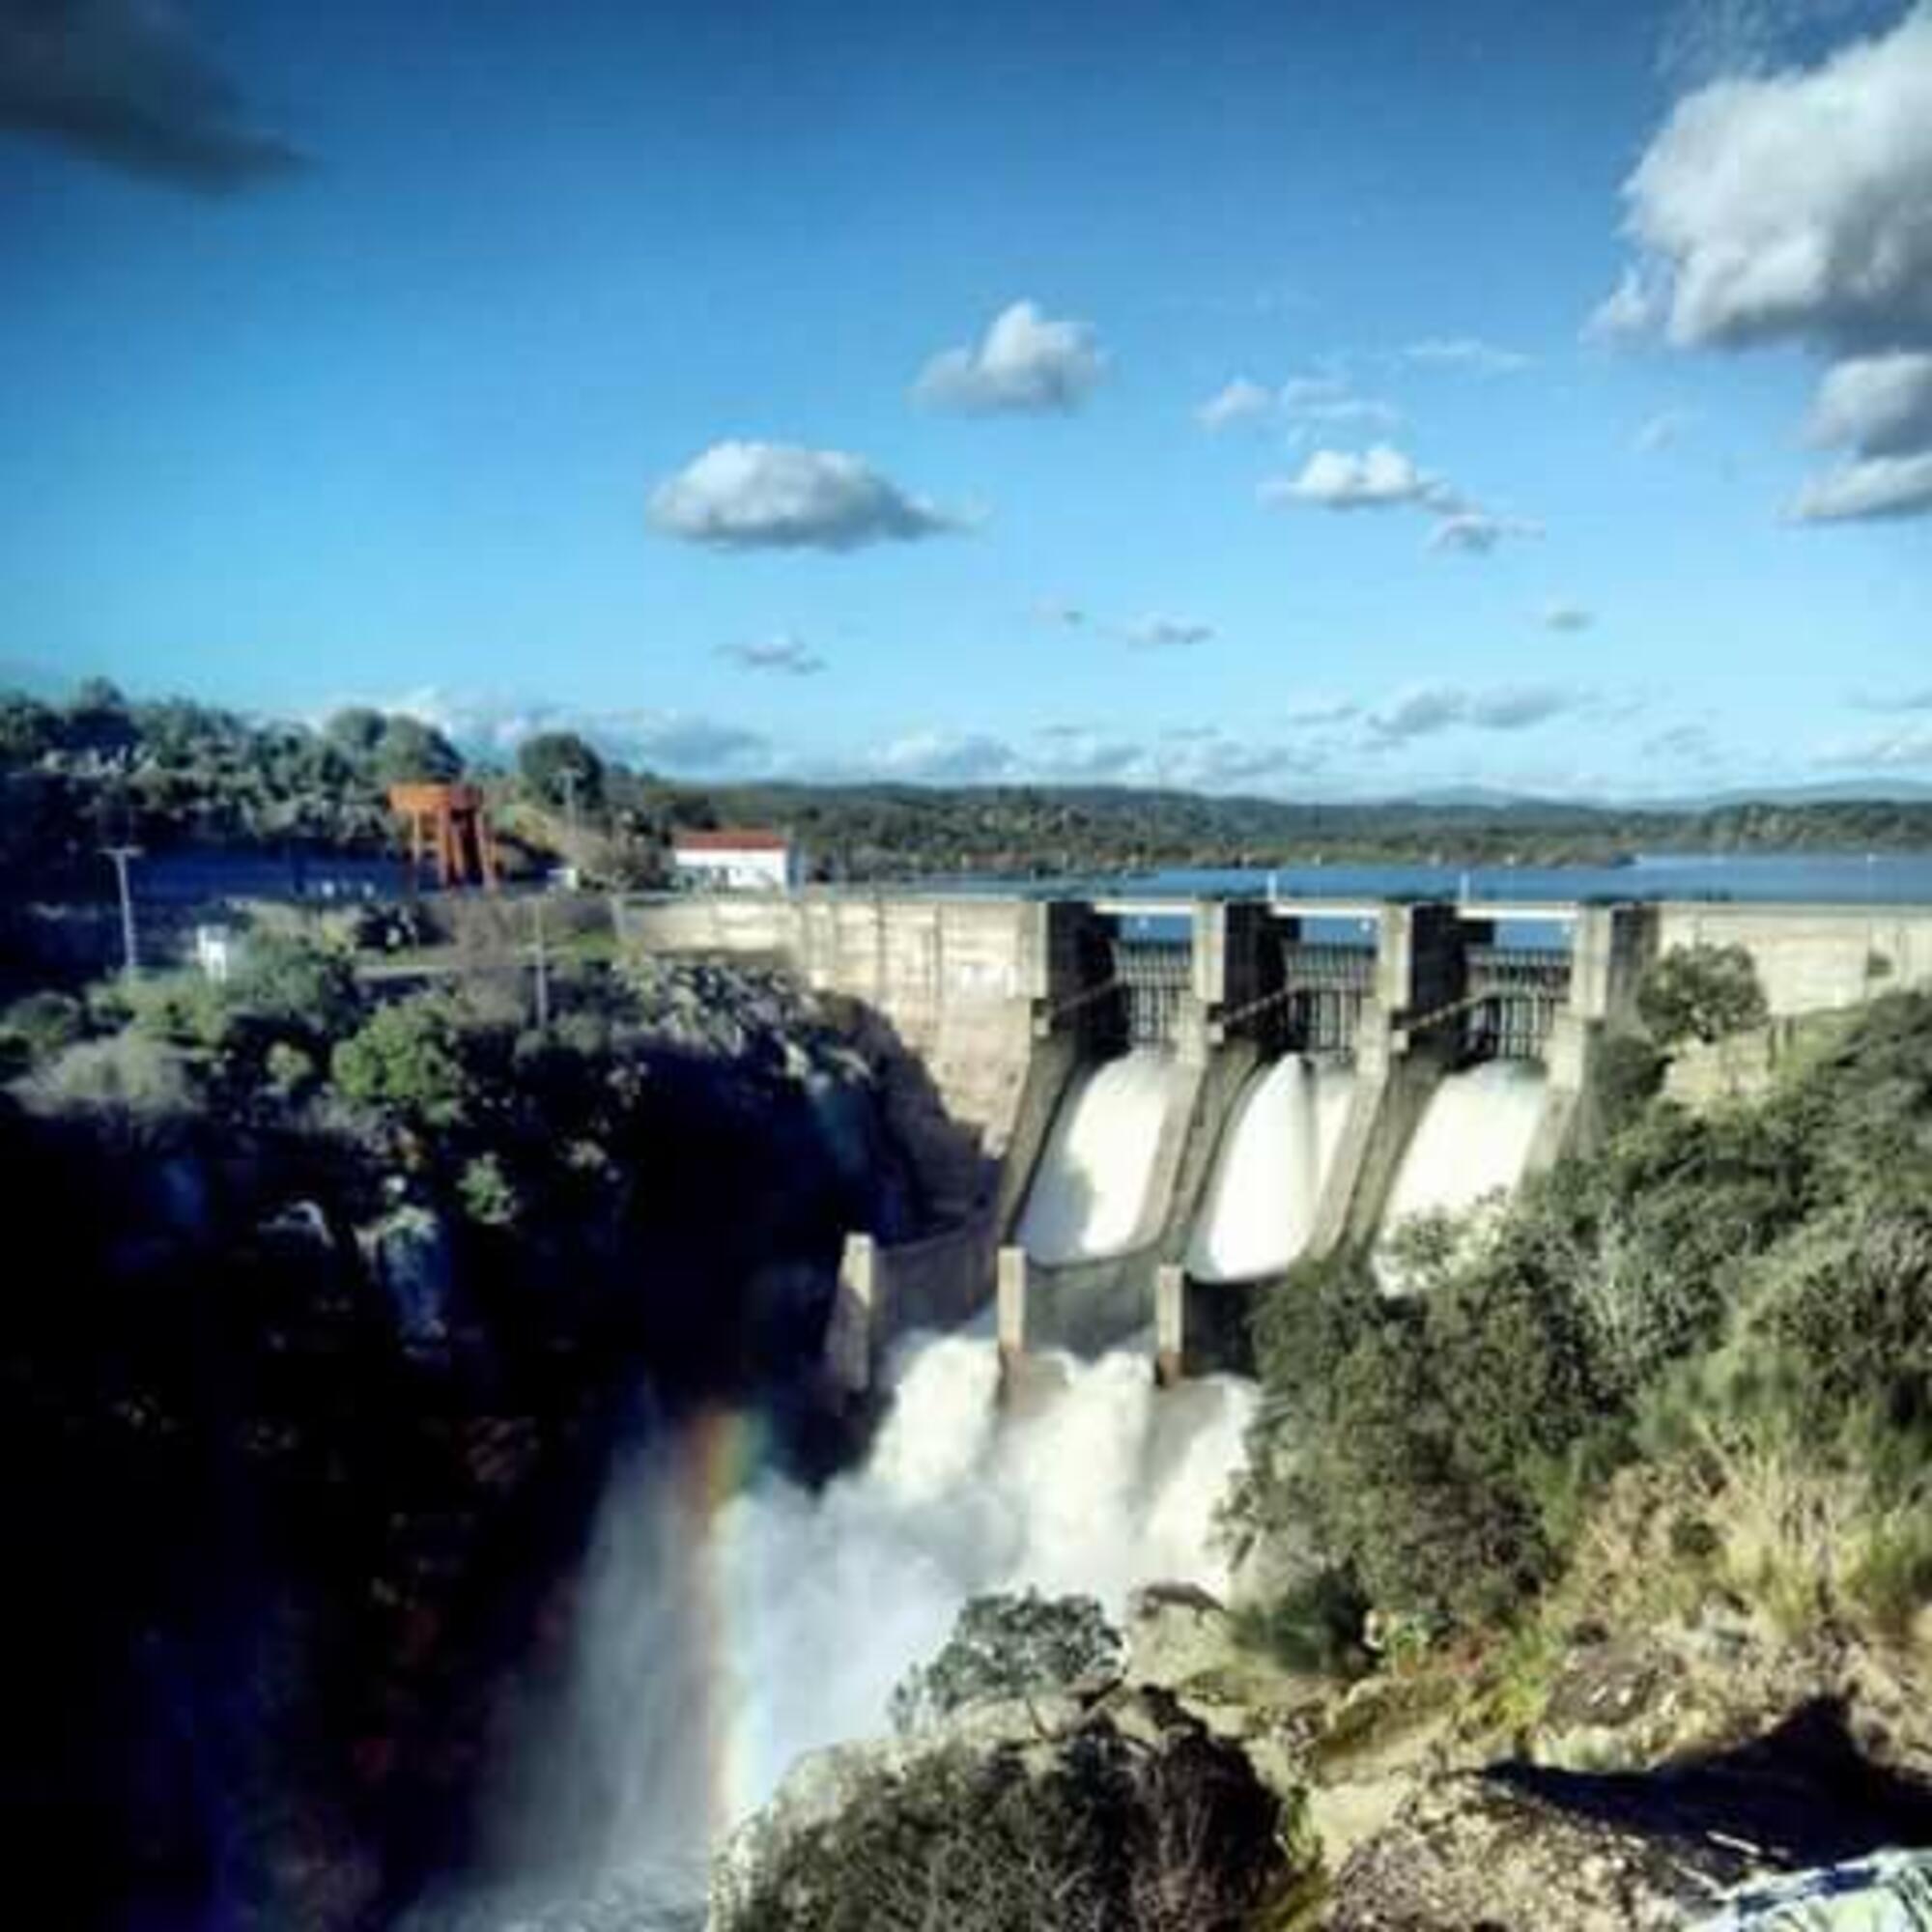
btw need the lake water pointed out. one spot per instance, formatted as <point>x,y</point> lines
<point>1842,878</point>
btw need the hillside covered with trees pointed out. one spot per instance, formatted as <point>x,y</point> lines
<point>101,768</point>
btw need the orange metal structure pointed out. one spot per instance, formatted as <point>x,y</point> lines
<point>450,821</point>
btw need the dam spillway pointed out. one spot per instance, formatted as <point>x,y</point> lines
<point>1472,1140</point>
<point>1265,1190</point>
<point>1030,1029</point>
<point>1091,1195</point>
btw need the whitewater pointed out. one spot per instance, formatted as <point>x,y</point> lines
<point>729,1626</point>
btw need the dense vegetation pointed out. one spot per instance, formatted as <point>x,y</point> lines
<point>331,1310</point>
<point>1735,1303</point>
<point>99,767</point>
<point>1110,1837</point>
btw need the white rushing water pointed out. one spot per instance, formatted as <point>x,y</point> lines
<point>1262,1199</point>
<point>1090,1198</point>
<point>727,1629</point>
<point>1472,1140</point>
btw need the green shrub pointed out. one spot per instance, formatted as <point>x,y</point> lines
<point>1314,1626</point>
<point>407,1060</point>
<point>488,1195</point>
<point>1701,992</point>
<point>1107,1837</point>
<point>180,1009</point>
<point>295,986</point>
<point>1006,1646</point>
<point>45,1024</point>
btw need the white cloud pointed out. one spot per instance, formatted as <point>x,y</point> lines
<point>947,758</point>
<point>778,496</point>
<point>1515,707</point>
<point>1327,402</point>
<point>1875,486</point>
<point>1792,208</point>
<point>1302,401</point>
<point>1027,364</point>
<point>495,723</point>
<point>1907,748</point>
<point>784,654</point>
<point>1155,632</point>
<point>1879,405</point>
<point>1465,353</point>
<point>1242,401</point>
<point>1378,478</point>
<point>1631,309</point>
<point>1316,711</point>
<point>1556,615</point>
<point>1476,532</point>
<point>1423,710</point>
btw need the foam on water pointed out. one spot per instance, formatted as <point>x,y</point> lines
<point>1090,1198</point>
<point>727,1628</point>
<point>1267,1185</point>
<point>1472,1140</point>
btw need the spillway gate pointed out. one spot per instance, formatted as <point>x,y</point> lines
<point>1515,993</point>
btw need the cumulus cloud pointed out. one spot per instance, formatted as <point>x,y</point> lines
<point>495,723</point>
<point>784,654</point>
<point>1423,710</point>
<point>1242,401</point>
<point>1465,353</point>
<point>947,758</point>
<point>1556,615</point>
<point>1877,486</point>
<point>1304,403</point>
<point>1791,207</point>
<point>1381,477</point>
<point>1476,533</point>
<point>125,83</point>
<point>1879,405</point>
<point>1027,364</point>
<point>1156,633</point>
<point>778,496</point>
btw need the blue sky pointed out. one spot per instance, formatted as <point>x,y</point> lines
<point>833,389</point>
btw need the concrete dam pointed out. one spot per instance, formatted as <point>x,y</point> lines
<point>1131,1112</point>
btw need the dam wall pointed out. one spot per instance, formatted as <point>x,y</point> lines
<point>1003,1014</point>
<point>1811,959</point>
<point>958,981</point>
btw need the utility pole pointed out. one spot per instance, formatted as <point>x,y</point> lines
<point>568,778</point>
<point>119,856</point>
<point>542,965</point>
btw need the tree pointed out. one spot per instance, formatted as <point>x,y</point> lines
<point>407,1058</point>
<point>357,729</point>
<point>1701,992</point>
<point>1006,1646</point>
<point>296,986</point>
<point>545,764</point>
<point>412,753</point>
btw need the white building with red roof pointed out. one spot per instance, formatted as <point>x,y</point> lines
<point>735,859</point>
